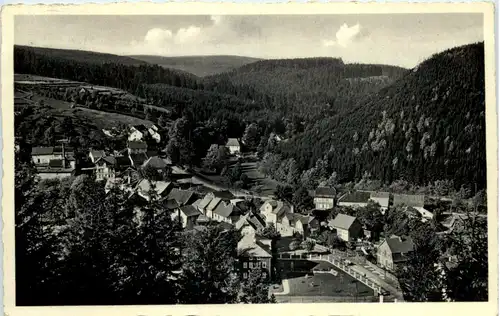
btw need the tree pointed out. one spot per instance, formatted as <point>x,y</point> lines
<point>217,157</point>
<point>208,275</point>
<point>302,200</point>
<point>283,193</point>
<point>255,289</point>
<point>294,245</point>
<point>251,135</point>
<point>468,279</point>
<point>269,232</point>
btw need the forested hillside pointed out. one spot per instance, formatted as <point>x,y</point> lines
<point>198,65</point>
<point>429,125</point>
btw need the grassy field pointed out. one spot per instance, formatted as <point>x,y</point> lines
<point>99,118</point>
<point>260,182</point>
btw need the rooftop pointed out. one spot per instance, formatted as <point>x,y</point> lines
<point>137,145</point>
<point>355,197</point>
<point>232,142</point>
<point>325,192</point>
<point>190,210</point>
<point>155,162</point>
<point>400,245</point>
<point>248,247</point>
<point>181,196</point>
<point>342,221</point>
<point>409,200</point>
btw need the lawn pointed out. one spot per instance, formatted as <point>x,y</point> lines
<point>265,185</point>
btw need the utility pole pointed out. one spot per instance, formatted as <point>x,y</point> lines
<point>63,141</point>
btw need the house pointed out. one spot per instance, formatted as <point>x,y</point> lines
<point>94,155</point>
<point>416,202</point>
<point>225,212</point>
<point>293,223</point>
<point>155,162</point>
<point>274,211</point>
<point>183,197</point>
<point>233,145</point>
<point>382,198</point>
<point>43,155</point>
<point>137,159</point>
<point>138,132</point>
<point>324,198</point>
<point>354,199</point>
<point>162,188</point>
<point>254,253</point>
<point>154,133</point>
<point>135,147</point>
<point>107,166</point>
<point>394,251</point>
<point>348,227</point>
<point>188,216</point>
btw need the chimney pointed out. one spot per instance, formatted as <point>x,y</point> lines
<point>291,208</point>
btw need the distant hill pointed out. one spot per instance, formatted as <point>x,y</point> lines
<point>428,125</point>
<point>198,65</point>
<point>305,86</point>
<point>82,56</point>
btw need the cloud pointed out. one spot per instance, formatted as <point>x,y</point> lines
<point>344,36</point>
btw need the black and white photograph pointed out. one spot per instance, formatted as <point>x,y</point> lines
<point>177,159</point>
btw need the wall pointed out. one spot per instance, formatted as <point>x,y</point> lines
<point>53,175</point>
<point>324,203</point>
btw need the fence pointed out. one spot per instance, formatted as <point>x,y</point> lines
<point>387,275</point>
<point>326,299</point>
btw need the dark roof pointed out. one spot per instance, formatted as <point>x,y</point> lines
<point>56,163</point>
<point>138,159</point>
<point>122,162</point>
<point>171,204</point>
<point>409,200</point>
<point>137,145</point>
<point>342,221</point>
<point>97,153</point>
<point>181,196</point>
<point>106,159</point>
<point>355,197</point>
<point>141,128</point>
<point>42,150</point>
<point>256,221</point>
<point>232,142</point>
<point>400,245</point>
<point>325,192</point>
<point>225,195</point>
<point>226,210</point>
<point>190,210</point>
<point>155,162</point>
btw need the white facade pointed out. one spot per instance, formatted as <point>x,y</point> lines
<point>45,159</point>
<point>233,149</point>
<point>324,203</point>
<point>135,135</point>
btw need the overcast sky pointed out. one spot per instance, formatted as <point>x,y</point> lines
<point>397,39</point>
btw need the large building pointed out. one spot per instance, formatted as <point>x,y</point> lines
<point>254,253</point>
<point>233,145</point>
<point>394,251</point>
<point>348,227</point>
<point>324,198</point>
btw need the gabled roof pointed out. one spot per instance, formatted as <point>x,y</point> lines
<point>204,202</point>
<point>138,159</point>
<point>232,142</point>
<point>155,162</point>
<point>277,206</point>
<point>97,153</point>
<point>400,245</point>
<point>248,247</point>
<point>225,195</point>
<point>325,192</point>
<point>213,204</point>
<point>160,186</point>
<point>190,210</point>
<point>226,210</point>
<point>171,204</point>
<point>355,197</point>
<point>409,200</point>
<point>42,151</point>
<point>141,128</point>
<point>342,221</point>
<point>181,196</point>
<point>256,221</point>
<point>137,145</point>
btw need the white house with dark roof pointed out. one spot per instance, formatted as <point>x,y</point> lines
<point>161,188</point>
<point>138,132</point>
<point>394,251</point>
<point>183,197</point>
<point>348,227</point>
<point>254,253</point>
<point>233,145</point>
<point>274,211</point>
<point>324,198</point>
<point>188,216</point>
<point>292,223</point>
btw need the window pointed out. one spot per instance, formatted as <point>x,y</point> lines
<point>264,264</point>
<point>257,264</point>
<point>245,265</point>
<point>244,275</point>
<point>250,265</point>
<point>38,160</point>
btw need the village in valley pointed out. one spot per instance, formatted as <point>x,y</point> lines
<point>307,250</point>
